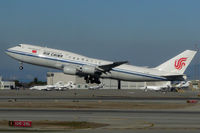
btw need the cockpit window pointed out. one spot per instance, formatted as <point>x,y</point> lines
<point>20,45</point>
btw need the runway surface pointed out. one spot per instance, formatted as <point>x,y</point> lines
<point>96,99</point>
<point>54,111</point>
<point>183,119</point>
<point>119,121</point>
<point>114,94</point>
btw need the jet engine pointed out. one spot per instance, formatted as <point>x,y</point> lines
<point>88,69</point>
<point>69,70</point>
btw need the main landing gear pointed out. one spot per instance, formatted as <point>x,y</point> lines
<point>92,79</point>
<point>21,66</point>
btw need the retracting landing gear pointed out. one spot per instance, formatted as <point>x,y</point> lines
<point>87,80</point>
<point>92,79</point>
<point>21,66</point>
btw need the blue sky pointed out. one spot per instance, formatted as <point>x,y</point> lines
<point>144,32</point>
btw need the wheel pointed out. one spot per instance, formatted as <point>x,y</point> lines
<point>97,81</point>
<point>21,68</point>
<point>91,81</point>
<point>87,81</point>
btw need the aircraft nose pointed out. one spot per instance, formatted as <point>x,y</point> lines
<point>9,51</point>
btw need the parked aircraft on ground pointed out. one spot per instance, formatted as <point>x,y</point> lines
<point>168,86</point>
<point>58,86</point>
<point>96,87</point>
<point>44,87</point>
<point>183,84</point>
<point>69,85</point>
<point>163,87</point>
<point>94,69</point>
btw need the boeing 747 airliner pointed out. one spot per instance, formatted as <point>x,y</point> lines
<point>94,69</point>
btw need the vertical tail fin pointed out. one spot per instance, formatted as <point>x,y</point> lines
<point>179,63</point>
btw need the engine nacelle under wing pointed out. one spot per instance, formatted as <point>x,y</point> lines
<point>69,70</point>
<point>88,69</point>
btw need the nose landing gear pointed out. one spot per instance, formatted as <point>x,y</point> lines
<point>21,66</point>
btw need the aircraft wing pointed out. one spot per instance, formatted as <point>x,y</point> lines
<point>108,67</point>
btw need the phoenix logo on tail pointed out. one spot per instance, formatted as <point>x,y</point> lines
<point>179,63</point>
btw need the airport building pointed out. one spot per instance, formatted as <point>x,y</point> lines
<point>6,84</point>
<point>54,77</point>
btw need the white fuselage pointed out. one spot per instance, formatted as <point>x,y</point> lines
<point>53,58</point>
